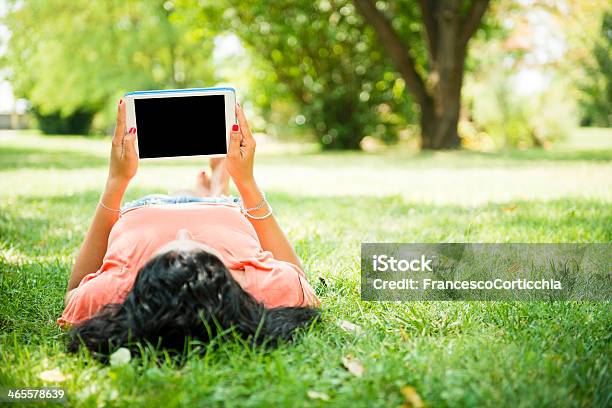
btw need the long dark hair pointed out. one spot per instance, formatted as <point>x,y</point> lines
<point>185,295</point>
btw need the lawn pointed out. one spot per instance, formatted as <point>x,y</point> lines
<point>453,353</point>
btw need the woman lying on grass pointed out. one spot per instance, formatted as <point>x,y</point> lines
<point>163,269</point>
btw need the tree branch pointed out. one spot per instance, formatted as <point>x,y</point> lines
<point>428,10</point>
<point>471,21</point>
<point>398,50</point>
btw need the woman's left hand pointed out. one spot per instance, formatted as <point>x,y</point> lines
<point>124,157</point>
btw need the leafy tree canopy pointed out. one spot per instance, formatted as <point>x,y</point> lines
<point>69,56</point>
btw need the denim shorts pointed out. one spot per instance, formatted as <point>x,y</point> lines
<point>164,199</point>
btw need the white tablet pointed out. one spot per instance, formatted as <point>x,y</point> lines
<point>182,122</point>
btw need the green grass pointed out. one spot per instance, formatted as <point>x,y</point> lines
<point>453,353</point>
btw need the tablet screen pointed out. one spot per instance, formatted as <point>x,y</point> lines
<point>181,126</point>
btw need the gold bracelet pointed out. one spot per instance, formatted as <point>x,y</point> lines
<point>108,208</point>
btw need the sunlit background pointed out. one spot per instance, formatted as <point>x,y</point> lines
<point>307,71</point>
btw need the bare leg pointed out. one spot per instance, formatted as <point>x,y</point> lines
<point>209,186</point>
<point>201,188</point>
<point>220,177</point>
<point>203,185</point>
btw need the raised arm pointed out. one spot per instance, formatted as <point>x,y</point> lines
<point>122,168</point>
<point>239,163</point>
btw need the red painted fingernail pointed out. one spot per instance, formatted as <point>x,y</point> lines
<point>120,102</point>
<point>235,128</point>
<point>133,130</point>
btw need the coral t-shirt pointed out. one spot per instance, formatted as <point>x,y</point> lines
<point>140,232</point>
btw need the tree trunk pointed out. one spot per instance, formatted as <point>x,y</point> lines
<point>440,114</point>
<point>445,78</point>
<point>439,130</point>
<point>448,32</point>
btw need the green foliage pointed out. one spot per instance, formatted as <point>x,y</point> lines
<point>82,55</point>
<point>77,122</point>
<point>318,54</point>
<point>514,120</point>
<point>596,98</point>
<point>500,116</point>
<point>311,67</point>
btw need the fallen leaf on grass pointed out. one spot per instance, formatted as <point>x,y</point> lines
<point>412,397</point>
<point>514,268</point>
<point>120,357</point>
<point>54,375</point>
<point>404,335</point>
<point>317,395</point>
<point>353,365</point>
<point>350,327</point>
<point>511,208</point>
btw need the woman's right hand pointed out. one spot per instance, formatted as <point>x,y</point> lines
<point>241,153</point>
<point>124,156</point>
